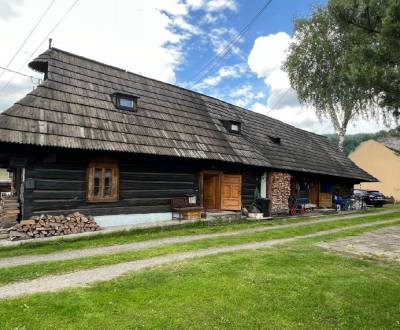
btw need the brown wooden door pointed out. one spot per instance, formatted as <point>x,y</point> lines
<point>231,192</point>
<point>325,199</point>
<point>314,192</point>
<point>210,191</point>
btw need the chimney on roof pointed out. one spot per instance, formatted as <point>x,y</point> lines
<point>50,40</point>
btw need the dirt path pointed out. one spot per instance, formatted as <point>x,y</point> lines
<point>105,273</point>
<point>74,254</point>
<point>382,243</point>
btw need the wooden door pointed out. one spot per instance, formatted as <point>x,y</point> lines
<point>314,192</point>
<point>210,191</point>
<point>231,192</point>
<point>325,199</point>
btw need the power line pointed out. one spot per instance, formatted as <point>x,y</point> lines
<point>279,101</point>
<point>20,73</point>
<point>27,37</point>
<point>237,37</point>
<point>41,43</point>
<point>213,62</point>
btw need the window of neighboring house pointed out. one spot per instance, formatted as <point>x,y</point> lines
<point>103,181</point>
<point>125,102</point>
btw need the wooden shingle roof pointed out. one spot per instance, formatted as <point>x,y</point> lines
<point>73,108</point>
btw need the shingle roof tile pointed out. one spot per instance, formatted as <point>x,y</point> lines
<point>73,109</point>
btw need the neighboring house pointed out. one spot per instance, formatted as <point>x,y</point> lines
<point>382,160</point>
<point>103,141</point>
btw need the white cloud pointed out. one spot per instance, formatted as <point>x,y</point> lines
<point>181,23</point>
<point>244,95</point>
<point>268,52</point>
<point>233,71</point>
<point>147,37</point>
<point>213,5</point>
<point>8,8</point>
<point>212,18</point>
<point>304,117</point>
<point>220,38</point>
<point>16,90</point>
<point>265,60</point>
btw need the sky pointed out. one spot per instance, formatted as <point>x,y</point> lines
<point>172,41</point>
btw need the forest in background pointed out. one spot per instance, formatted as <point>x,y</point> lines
<point>352,141</point>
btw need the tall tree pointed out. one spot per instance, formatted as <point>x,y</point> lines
<point>374,28</point>
<point>318,66</point>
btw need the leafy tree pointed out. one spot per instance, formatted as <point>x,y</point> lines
<point>373,26</point>
<point>318,67</point>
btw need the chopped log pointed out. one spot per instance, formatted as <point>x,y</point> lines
<point>27,222</point>
<point>48,225</point>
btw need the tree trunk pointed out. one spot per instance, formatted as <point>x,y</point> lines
<point>341,135</point>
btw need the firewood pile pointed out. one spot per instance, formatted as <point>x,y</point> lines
<point>51,225</point>
<point>280,192</point>
<point>9,211</point>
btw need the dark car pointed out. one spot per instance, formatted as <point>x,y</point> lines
<point>371,197</point>
<point>375,198</point>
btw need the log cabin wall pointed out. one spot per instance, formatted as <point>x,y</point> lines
<point>56,183</point>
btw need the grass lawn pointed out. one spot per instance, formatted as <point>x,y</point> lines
<point>25,272</point>
<point>137,235</point>
<point>295,286</point>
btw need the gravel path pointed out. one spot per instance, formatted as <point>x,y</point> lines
<point>74,254</point>
<point>382,243</point>
<point>105,273</point>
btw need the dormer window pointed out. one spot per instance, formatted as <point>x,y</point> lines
<point>125,101</point>
<point>235,127</point>
<point>232,126</point>
<point>275,139</point>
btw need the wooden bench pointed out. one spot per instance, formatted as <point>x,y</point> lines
<point>181,206</point>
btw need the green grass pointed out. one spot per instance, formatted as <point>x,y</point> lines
<point>25,272</point>
<point>296,286</point>
<point>137,235</point>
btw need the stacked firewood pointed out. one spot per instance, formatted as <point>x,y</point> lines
<point>53,225</point>
<point>280,191</point>
<point>10,210</point>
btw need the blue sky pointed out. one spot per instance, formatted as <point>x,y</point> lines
<point>169,41</point>
<point>278,17</point>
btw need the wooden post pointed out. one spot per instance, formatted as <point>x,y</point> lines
<point>263,185</point>
<point>269,192</point>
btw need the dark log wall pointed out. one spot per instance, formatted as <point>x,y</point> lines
<point>250,180</point>
<point>56,183</point>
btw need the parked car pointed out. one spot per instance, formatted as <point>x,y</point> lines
<point>371,197</point>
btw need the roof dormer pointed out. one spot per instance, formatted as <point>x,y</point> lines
<point>232,126</point>
<point>125,101</point>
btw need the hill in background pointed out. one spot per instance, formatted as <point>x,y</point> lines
<point>352,141</point>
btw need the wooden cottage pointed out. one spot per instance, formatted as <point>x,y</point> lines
<point>119,146</point>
